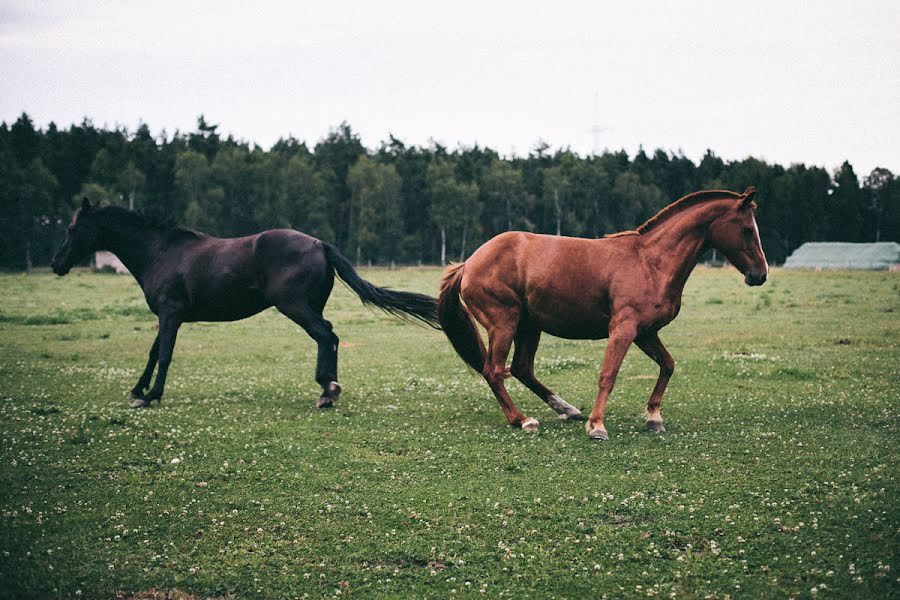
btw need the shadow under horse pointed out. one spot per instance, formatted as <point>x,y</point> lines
<point>188,276</point>
<point>625,287</point>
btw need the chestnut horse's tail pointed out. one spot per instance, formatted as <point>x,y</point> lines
<point>457,321</point>
<point>403,305</point>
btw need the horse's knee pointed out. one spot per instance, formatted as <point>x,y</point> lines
<point>607,380</point>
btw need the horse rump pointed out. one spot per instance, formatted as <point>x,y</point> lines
<point>457,321</point>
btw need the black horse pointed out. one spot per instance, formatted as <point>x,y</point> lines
<point>188,276</point>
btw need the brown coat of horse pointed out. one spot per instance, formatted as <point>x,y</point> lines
<point>626,287</point>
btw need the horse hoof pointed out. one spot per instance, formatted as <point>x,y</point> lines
<point>325,402</point>
<point>572,416</point>
<point>598,434</point>
<point>530,424</point>
<point>656,427</point>
<point>140,403</point>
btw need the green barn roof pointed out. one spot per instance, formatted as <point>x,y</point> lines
<point>844,255</point>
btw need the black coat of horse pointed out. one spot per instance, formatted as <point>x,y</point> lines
<point>189,276</point>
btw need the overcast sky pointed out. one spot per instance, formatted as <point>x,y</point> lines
<point>814,82</point>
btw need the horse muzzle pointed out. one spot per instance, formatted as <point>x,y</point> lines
<point>755,279</point>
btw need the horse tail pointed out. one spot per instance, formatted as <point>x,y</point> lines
<point>407,306</point>
<point>457,321</point>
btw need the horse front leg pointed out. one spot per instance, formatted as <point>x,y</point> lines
<point>168,332</point>
<point>137,392</point>
<point>620,339</point>
<point>653,347</point>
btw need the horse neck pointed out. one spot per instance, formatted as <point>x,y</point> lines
<point>678,242</point>
<point>136,247</point>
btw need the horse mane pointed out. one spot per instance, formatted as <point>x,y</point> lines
<point>675,208</point>
<point>156,221</point>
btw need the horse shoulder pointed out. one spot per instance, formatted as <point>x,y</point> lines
<point>637,291</point>
<point>167,292</point>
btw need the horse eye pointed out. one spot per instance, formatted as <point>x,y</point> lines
<point>747,231</point>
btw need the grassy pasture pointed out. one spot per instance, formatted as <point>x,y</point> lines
<point>778,476</point>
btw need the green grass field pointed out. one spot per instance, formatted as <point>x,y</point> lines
<point>778,475</point>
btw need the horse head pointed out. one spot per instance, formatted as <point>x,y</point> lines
<point>82,237</point>
<point>736,235</point>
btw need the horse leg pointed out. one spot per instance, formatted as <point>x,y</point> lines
<point>312,321</point>
<point>168,332</point>
<point>653,347</point>
<point>498,312</point>
<point>620,339</point>
<point>499,341</point>
<point>137,392</point>
<point>527,339</point>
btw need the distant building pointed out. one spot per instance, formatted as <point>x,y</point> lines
<point>108,259</point>
<point>879,256</point>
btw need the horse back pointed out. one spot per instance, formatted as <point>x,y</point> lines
<point>523,260</point>
<point>224,279</point>
<point>565,285</point>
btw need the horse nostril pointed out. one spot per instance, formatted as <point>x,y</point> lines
<point>755,279</point>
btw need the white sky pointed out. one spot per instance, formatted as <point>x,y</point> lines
<point>815,82</point>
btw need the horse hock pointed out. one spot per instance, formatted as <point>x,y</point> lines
<point>566,411</point>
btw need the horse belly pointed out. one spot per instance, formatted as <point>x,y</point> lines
<point>228,303</point>
<point>583,330</point>
<point>569,318</point>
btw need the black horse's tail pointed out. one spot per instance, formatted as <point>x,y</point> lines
<point>402,305</point>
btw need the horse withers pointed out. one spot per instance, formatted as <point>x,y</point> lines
<point>625,287</point>
<point>189,276</point>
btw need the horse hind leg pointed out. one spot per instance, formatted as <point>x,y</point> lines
<point>499,342</point>
<point>319,330</point>
<point>527,339</point>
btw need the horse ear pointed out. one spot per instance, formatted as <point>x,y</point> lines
<point>747,197</point>
<point>85,204</point>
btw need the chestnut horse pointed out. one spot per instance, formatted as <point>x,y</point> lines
<point>625,287</point>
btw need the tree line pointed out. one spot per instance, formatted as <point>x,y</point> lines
<point>400,203</point>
